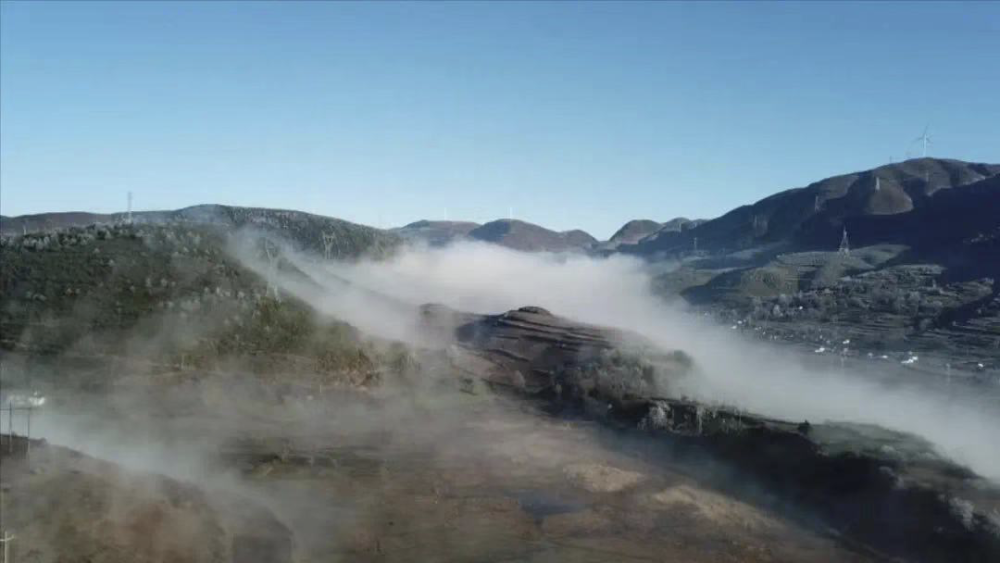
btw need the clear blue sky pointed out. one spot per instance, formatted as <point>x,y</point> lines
<point>576,114</point>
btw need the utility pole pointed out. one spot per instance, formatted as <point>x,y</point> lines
<point>27,433</point>
<point>31,404</point>
<point>6,539</point>
<point>128,217</point>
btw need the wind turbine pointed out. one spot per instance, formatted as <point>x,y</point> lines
<point>925,139</point>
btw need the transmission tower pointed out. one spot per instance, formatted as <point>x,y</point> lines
<point>329,241</point>
<point>272,269</point>
<point>844,247</point>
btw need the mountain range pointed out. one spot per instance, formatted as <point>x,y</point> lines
<point>816,214</point>
<point>813,216</point>
<point>512,233</point>
<point>169,308</point>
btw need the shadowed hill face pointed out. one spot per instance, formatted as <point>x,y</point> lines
<point>435,233</point>
<point>800,214</point>
<point>520,235</point>
<point>967,215</point>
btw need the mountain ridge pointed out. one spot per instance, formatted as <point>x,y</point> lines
<point>811,215</point>
<point>435,233</point>
<point>321,234</point>
<point>805,215</point>
<point>521,235</point>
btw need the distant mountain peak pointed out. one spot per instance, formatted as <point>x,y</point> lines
<point>638,229</point>
<point>435,233</point>
<point>634,230</point>
<point>521,235</point>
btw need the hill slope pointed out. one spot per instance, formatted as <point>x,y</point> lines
<point>520,235</point>
<point>343,239</point>
<point>634,230</point>
<point>168,297</point>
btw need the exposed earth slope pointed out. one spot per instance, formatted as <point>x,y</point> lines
<point>66,506</point>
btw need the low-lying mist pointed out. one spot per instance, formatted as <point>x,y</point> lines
<point>380,297</point>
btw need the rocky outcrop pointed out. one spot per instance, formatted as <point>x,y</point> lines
<point>537,352</point>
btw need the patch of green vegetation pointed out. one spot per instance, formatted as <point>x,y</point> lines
<point>170,295</point>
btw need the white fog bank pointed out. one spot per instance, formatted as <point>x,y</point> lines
<point>616,291</point>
